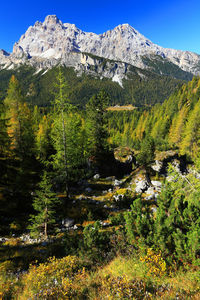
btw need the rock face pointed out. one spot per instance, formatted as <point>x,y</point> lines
<point>141,186</point>
<point>51,42</point>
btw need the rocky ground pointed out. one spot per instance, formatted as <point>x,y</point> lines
<point>98,197</point>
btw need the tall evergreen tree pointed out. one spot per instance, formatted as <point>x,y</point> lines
<point>22,147</point>
<point>97,126</point>
<point>4,147</point>
<point>61,106</point>
<point>147,151</point>
<point>44,204</point>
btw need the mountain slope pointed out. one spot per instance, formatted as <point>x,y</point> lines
<point>141,88</point>
<point>52,42</point>
<point>174,124</point>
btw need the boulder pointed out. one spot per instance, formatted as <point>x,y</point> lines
<point>111,178</point>
<point>141,186</point>
<point>117,182</point>
<point>118,197</point>
<point>67,222</point>
<point>150,191</point>
<point>157,166</point>
<point>156,183</point>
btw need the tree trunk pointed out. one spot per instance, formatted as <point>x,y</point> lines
<point>65,157</point>
<point>45,224</point>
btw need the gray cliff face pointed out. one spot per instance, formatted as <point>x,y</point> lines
<point>52,42</point>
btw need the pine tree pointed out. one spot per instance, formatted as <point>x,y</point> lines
<point>139,224</point>
<point>164,222</point>
<point>97,126</point>
<point>147,151</point>
<point>45,203</point>
<point>177,223</point>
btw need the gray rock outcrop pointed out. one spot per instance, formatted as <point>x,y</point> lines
<point>46,44</point>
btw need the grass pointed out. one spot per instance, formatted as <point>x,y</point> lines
<point>184,285</point>
<point>122,107</point>
<point>120,266</point>
<point>124,275</point>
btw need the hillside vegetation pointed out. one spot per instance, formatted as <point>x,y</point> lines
<point>96,203</point>
<point>172,125</point>
<point>38,88</point>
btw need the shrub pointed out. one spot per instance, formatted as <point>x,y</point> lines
<point>57,278</point>
<point>123,198</point>
<point>7,279</point>
<point>117,219</point>
<point>156,266</point>
<point>122,288</point>
<point>13,242</point>
<point>95,240</point>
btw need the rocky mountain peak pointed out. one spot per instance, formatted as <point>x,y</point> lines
<point>51,20</point>
<point>46,43</point>
<point>3,52</point>
<point>125,27</point>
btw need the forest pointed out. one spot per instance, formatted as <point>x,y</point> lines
<point>147,89</point>
<point>99,203</point>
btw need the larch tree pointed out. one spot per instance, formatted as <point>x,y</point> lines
<point>19,120</point>
<point>4,145</point>
<point>13,104</point>
<point>61,108</point>
<point>43,139</point>
<point>190,143</point>
<point>22,146</point>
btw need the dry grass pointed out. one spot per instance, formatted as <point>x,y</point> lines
<point>120,108</point>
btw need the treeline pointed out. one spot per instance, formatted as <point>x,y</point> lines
<point>145,89</point>
<point>172,125</point>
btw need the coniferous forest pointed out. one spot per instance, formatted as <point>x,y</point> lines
<point>99,201</point>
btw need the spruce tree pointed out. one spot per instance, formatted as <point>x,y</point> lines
<point>45,203</point>
<point>97,126</point>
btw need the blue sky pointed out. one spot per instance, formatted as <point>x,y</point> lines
<point>172,23</point>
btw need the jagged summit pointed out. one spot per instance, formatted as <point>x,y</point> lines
<point>51,20</point>
<point>53,42</point>
<point>126,28</point>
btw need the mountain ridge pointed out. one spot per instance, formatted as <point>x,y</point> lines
<point>53,42</point>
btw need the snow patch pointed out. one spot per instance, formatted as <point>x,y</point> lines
<point>44,72</point>
<point>117,78</point>
<point>38,71</point>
